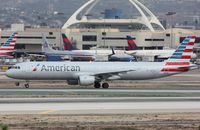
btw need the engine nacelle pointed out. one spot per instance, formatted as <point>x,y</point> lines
<point>72,82</point>
<point>86,80</point>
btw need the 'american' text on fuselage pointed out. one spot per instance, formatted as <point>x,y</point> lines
<point>62,68</point>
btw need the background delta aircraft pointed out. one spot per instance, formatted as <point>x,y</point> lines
<point>113,55</point>
<point>7,48</point>
<point>159,54</point>
<point>89,73</point>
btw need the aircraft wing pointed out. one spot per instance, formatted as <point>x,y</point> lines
<point>110,74</point>
<point>130,52</point>
<point>35,55</point>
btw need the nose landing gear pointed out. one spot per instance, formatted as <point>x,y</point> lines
<point>26,85</point>
<point>17,84</point>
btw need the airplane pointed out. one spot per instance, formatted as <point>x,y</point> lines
<point>157,54</point>
<point>7,48</point>
<point>58,55</point>
<point>98,73</point>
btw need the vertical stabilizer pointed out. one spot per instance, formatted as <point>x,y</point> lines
<point>45,46</point>
<point>131,43</point>
<point>180,59</point>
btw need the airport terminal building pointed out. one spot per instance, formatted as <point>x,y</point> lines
<point>110,31</point>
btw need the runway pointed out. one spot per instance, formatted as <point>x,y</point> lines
<point>80,101</point>
<point>99,93</point>
<point>87,108</point>
<point>97,99</point>
<point>104,90</point>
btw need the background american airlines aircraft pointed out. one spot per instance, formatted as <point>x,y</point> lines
<point>66,54</point>
<point>159,54</point>
<point>7,48</point>
<point>89,73</point>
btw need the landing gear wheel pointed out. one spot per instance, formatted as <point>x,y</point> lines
<point>105,85</point>
<point>17,83</point>
<point>97,85</point>
<point>26,85</point>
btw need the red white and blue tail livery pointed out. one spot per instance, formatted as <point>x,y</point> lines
<point>7,48</point>
<point>180,59</point>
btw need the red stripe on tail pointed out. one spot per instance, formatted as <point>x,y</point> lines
<point>188,50</point>
<point>191,44</point>
<point>186,57</point>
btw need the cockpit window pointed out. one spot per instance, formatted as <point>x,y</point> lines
<point>14,67</point>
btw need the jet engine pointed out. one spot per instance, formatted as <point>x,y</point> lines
<point>86,80</point>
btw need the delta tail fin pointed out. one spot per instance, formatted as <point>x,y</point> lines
<point>180,59</point>
<point>131,43</point>
<point>68,46</point>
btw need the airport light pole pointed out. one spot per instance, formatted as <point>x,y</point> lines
<point>87,16</point>
<point>104,32</point>
<point>171,14</point>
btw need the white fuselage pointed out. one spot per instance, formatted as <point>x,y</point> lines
<point>73,70</point>
<point>152,53</point>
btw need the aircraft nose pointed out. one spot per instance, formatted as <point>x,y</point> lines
<point>9,73</point>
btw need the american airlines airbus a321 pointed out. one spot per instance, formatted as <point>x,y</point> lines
<point>97,73</point>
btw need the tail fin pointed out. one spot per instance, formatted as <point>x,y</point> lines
<point>11,41</point>
<point>45,46</point>
<point>180,59</point>
<point>67,43</point>
<point>131,43</point>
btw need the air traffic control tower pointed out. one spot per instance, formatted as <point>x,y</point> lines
<point>108,22</point>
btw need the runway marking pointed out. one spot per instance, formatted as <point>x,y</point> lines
<point>48,112</point>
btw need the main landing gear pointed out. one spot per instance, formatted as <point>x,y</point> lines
<point>98,85</point>
<point>26,84</point>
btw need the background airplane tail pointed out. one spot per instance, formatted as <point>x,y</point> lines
<point>11,41</point>
<point>67,43</point>
<point>180,59</point>
<point>131,43</point>
<point>45,46</point>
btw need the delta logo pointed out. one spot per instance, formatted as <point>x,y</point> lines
<point>35,69</point>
